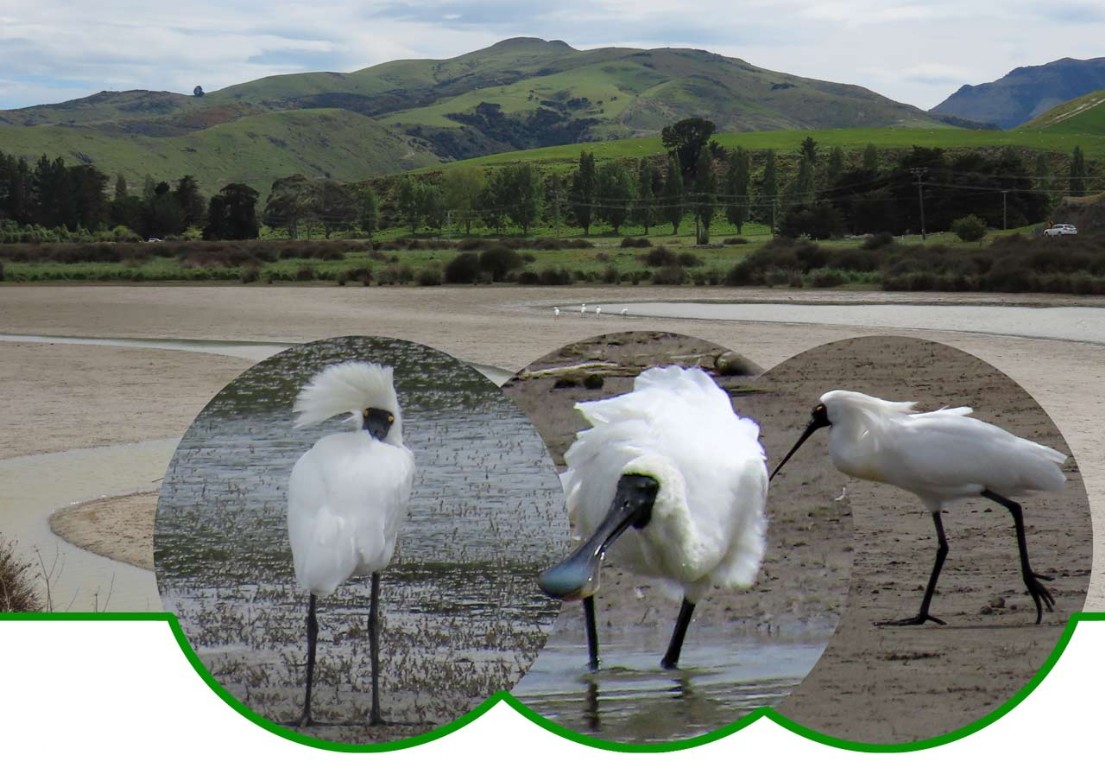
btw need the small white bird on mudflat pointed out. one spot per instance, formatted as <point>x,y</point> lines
<point>348,496</point>
<point>672,461</point>
<point>942,457</point>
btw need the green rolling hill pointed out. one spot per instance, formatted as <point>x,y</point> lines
<point>518,94</point>
<point>1081,116</point>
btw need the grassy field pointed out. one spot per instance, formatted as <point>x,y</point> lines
<point>849,140</point>
<point>1015,261</point>
<point>253,150</point>
<point>1081,116</point>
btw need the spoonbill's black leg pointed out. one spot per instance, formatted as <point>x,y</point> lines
<point>671,657</point>
<point>1031,579</point>
<point>374,718</point>
<point>312,639</point>
<point>941,553</point>
<point>592,632</point>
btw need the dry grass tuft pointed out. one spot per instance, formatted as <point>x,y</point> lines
<point>17,589</point>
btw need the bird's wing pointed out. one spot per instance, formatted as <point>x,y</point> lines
<point>947,452</point>
<point>323,551</point>
<point>747,528</point>
<point>347,497</point>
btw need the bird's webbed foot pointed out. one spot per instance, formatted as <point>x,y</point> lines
<point>917,620</point>
<point>1039,593</point>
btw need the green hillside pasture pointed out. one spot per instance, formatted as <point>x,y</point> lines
<point>254,150</point>
<point>284,87</point>
<point>523,57</point>
<point>130,105</point>
<point>1081,116</point>
<point>788,141</point>
<point>609,88</point>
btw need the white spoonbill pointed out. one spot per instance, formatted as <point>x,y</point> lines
<point>942,457</point>
<point>348,495</point>
<point>674,462</point>
<point>556,311</point>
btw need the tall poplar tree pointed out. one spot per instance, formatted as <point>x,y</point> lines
<point>737,180</point>
<point>769,190</point>
<point>583,191</point>
<point>1077,172</point>
<point>672,197</point>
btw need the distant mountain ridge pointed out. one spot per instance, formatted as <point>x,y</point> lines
<point>1025,93</point>
<point>519,93</point>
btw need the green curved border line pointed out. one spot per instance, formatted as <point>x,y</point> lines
<point>551,726</point>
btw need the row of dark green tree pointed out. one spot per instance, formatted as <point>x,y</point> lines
<point>805,192</point>
<point>809,192</point>
<point>56,196</point>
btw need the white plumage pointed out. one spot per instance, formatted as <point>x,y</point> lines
<point>348,495</point>
<point>706,525</point>
<point>347,498</point>
<point>940,456</point>
<point>943,457</point>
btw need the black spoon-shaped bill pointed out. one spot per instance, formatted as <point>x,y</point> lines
<point>577,576</point>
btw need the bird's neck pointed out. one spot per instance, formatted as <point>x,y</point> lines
<point>854,447</point>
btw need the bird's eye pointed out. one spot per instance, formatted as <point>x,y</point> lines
<point>366,411</point>
<point>391,419</point>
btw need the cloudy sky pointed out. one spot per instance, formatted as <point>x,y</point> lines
<point>917,52</point>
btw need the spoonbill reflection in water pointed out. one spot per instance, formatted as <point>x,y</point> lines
<point>672,461</point>
<point>942,457</point>
<point>348,496</point>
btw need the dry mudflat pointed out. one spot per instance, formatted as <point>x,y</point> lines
<point>874,684</point>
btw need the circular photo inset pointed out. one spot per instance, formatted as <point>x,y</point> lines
<point>973,541</point>
<point>715,599</point>
<point>349,534</point>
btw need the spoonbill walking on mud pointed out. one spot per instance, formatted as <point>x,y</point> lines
<point>671,460</point>
<point>348,496</point>
<point>942,457</point>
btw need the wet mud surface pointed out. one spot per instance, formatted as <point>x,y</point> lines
<point>902,684</point>
<point>744,649</point>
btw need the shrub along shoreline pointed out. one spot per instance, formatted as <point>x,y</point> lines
<point>1010,263</point>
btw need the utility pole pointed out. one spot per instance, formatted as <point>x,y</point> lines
<point>919,173</point>
<point>1004,209</point>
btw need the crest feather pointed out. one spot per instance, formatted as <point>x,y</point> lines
<point>348,387</point>
<point>870,405</point>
